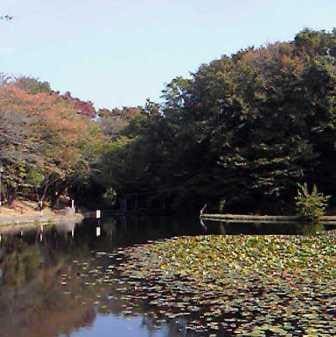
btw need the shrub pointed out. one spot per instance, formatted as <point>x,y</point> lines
<point>310,205</point>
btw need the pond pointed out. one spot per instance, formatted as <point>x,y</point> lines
<point>68,280</point>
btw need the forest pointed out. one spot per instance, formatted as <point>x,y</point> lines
<point>239,134</point>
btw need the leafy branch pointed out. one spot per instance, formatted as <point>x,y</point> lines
<point>6,17</point>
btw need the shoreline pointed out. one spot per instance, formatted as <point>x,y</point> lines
<point>11,221</point>
<point>24,213</point>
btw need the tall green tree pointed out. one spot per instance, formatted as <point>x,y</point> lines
<point>245,128</point>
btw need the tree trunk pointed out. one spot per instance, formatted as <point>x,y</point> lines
<point>11,195</point>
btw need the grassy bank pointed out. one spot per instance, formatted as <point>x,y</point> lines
<point>240,285</point>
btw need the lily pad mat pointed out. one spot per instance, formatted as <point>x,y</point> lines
<point>242,285</point>
<point>223,285</point>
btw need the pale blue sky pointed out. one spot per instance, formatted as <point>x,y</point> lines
<point>118,52</point>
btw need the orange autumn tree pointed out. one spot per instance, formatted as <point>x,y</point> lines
<point>44,142</point>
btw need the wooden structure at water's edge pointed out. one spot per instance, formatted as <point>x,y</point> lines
<point>262,219</point>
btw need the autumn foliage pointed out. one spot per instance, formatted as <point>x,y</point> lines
<point>242,131</point>
<point>45,139</point>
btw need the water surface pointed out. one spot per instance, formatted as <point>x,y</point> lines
<point>51,282</point>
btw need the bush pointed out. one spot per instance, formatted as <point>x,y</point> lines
<point>310,205</point>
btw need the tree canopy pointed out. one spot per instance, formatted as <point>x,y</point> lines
<point>44,140</point>
<point>245,128</point>
<point>242,131</point>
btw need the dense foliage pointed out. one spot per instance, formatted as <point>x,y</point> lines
<point>243,129</point>
<point>45,144</point>
<point>238,134</point>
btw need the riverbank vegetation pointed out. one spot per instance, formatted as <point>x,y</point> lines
<point>311,205</point>
<point>240,133</point>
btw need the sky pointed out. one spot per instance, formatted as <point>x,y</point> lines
<point>119,52</point>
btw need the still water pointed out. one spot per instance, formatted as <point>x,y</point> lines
<point>49,284</point>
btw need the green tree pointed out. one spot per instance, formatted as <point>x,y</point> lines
<point>245,128</point>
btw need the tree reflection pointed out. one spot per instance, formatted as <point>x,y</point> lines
<point>32,302</point>
<point>49,288</point>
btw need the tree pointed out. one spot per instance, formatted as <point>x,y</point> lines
<point>42,132</point>
<point>245,128</point>
<point>32,85</point>
<point>114,121</point>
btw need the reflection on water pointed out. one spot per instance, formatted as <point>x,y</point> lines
<point>49,285</point>
<point>42,292</point>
